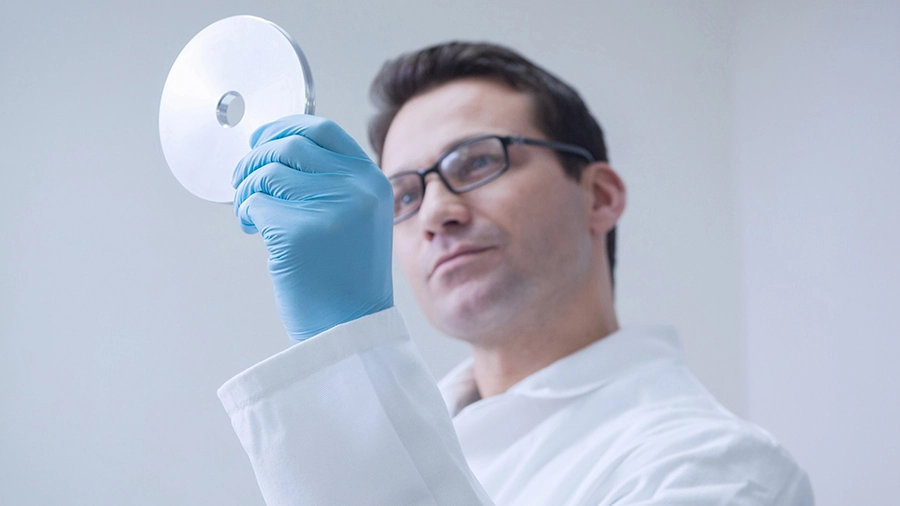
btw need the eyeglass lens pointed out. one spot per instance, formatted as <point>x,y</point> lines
<point>462,169</point>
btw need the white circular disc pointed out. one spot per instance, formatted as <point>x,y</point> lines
<point>234,76</point>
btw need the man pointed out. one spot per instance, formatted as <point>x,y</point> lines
<point>507,238</point>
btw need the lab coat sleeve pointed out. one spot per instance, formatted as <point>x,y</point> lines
<point>351,416</point>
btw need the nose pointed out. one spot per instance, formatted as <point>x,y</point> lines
<point>441,209</point>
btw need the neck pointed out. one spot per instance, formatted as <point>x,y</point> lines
<point>524,351</point>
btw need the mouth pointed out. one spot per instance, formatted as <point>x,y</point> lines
<point>459,256</point>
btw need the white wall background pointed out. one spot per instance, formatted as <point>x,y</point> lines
<point>758,142</point>
<point>817,152</point>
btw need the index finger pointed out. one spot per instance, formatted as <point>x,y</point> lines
<point>322,131</point>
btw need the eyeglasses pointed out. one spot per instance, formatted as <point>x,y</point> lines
<point>464,167</point>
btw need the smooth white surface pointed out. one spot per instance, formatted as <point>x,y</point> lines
<point>125,301</point>
<point>246,55</point>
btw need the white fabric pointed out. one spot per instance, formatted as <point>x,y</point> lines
<point>352,416</point>
<point>621,421</point>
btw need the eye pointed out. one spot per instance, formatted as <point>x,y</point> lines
<point>480,164</point>
<point>482,161</point>
<point>407,193</point>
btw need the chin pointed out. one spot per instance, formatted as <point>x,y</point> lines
<point>473,312</point>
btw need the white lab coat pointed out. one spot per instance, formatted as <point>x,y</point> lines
<point>353,417</point>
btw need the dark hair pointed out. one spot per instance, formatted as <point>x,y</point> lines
<point>559,112</point>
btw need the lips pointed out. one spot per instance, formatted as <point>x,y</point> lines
<point>456,253</point>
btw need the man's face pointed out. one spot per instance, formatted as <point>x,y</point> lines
<point>485,263</point>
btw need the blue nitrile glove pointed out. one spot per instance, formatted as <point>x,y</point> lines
<point>325,213</point>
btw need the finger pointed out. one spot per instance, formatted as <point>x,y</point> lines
<point>286,151</point>
<point>285,183</point>
<point>255,211</point>
<point>248,229</point>
<point>322,131</point>
<point>296,152</point>
<point>275,219</point>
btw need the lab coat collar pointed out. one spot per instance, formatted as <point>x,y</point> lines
<point>620,353</point>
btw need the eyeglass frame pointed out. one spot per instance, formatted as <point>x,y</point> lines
<point>505,141</point>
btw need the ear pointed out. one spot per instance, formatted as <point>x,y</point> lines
<point>605,195</point>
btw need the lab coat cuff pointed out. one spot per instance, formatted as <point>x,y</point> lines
<point>314,354</point>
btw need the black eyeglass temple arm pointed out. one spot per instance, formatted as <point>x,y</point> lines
<point>559,146</point>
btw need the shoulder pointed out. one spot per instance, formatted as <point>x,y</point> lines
<point>678,442</point>
<point>713,457</point>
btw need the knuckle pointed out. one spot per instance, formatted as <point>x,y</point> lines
<point>380,185</point>
<point>253,201</point>
<point>324,123</point>
<point>372,201</point>
<point>320,125</point>
<point>291,144</point>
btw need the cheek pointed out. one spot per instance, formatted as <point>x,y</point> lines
<point>545,218</point>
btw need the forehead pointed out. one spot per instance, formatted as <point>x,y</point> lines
<point>434,121</point>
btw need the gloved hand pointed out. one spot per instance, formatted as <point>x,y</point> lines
<point>325,213</point>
